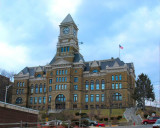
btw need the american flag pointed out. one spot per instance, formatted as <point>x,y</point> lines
<point>120,46</point>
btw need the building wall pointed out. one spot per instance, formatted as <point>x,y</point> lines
<point>15,114</point>
<point>4,81</point>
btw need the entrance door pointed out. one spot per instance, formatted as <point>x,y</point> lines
<point>60,101</point>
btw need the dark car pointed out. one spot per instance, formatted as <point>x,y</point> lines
<point>91,122</point>
<point>150,120</point>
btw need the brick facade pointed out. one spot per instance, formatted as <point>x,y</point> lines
<point>69,82</point>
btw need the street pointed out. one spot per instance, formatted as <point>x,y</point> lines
<point>137,126</point>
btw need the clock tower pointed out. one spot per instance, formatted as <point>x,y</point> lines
<point>67,44</point>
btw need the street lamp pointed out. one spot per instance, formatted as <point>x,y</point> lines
<point>7,87</point>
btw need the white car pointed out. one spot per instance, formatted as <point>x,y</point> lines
<point>157,124</point>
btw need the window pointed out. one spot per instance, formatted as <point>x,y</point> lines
<point>120,77</point>
<point>51,74</point>
<point>92,98</point>
<point>19,100</point>
<point>87,85</point>
<point>35,100</point>
<point>65,86</point>
<point>18,84</point>
<point>31,100</point>
<point>44,88</point>
<point>92,85</point>
<point>62,79</point>
<point>112,86</point>
<point>65,79</point>
<point>50,81</point>
<point>40,88</point>
<point>75,71</point>
<point>62,87</point>
<point>75,87</point>
<point>23,84</point>
<point>97,84</point>
<point>22,91</point>
<point>116,77</point>
<point>61,49</point>
<point>86,98</point>
<point>17,91</point>
<point>50,88</point>
<point>59,87</point>
<point>63,72</point>
<point>32,88</point>
<point>59,79</point>
<point>39,75</point>
<point>75,79</point>
<point>66,71</point>
<point>67,48</point>
<point>97,97</point>
<point>103,84</point>
<point>56,79</point>
<point>117,97</point>
<point>75,98</point>
<point>57,72</point>
<point>49,98</point>
<point>36,88</point>
<point>120,85</point>
<point>61,98</point>
<point>44,99</point>
<point>116,86</point>
<point>112,77</point>
<point>64,49</point>
<point>102,97</point>
<point>40,100</point>
<point>95,71</point>
<point>56,87</point>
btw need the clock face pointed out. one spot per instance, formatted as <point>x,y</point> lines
<point>74,32</point>
<point>66,30</point>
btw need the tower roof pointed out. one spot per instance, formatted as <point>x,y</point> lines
<point>68,19</point>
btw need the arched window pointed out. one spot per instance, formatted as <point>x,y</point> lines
<point>60,98</point>
<point>117,96</point>
<point>103,84</point>
<point>39,75</point>
<point>44,89</point>
<point>40,88</point>
<point>97,84</point>
<point>18,84</point>
<point>44,99</point>
<point>95,71</point>
<point>19,100</point>
<point>92,85</point>
<point>32,88</point>
<point>36,88</point>
<point>120,77</point>
<point>23,84</point>
<point>87,85</point>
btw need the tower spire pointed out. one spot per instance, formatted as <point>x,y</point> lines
<point>68,19</point>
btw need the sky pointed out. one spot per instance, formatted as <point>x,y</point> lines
<point>29,31</point>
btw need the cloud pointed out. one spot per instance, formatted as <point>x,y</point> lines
<point>12,56</point>
<point>58,9</point>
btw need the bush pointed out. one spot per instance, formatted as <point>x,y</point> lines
<point>112,118</point>
<point>84,115</point>
<point>105,119</point>
<point>119,117</point>
<point>77,113</point>
<point>145,115</point>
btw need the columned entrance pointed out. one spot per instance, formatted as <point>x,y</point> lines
<point>60,102</point>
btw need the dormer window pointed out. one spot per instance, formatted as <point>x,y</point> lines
<point>95,71</point>
<point>39,75</point>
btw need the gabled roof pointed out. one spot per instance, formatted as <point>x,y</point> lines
<point>67,19</point>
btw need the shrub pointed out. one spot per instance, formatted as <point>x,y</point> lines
<point>77,113</point>
<point>105,119</point>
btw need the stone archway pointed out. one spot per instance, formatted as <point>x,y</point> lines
<point>60,101</point>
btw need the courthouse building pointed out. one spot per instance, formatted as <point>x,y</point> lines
<point>70,82</point>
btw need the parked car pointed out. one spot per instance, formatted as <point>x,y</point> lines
<point>150,120</point>
<point>91,122</point>
<point>100,125</point>
<point>157,124</point>
<point>53,123</point>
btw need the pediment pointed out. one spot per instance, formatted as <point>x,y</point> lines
<point>94,64</point>
<point>116,64</point>
<point>39,69</point>
<point>61,61</point>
